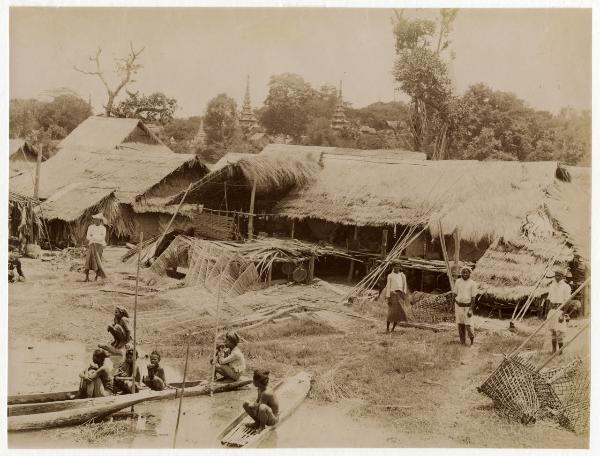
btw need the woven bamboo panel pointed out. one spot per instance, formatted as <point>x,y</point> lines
<point>214,226</point>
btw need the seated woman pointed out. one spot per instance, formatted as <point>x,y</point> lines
<point>122,379</point>
<point>265,411</point>
<point>232,365</point>
<point>120,328</point>
<point>155,379</point>
<point>96,380</point>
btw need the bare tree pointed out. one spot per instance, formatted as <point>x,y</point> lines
<point>125,68</point>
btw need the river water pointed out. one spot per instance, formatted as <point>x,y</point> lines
<point>44,366</point>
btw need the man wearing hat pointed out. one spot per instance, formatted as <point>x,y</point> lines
<point>96,237</point>
<point>465,290</point>
<point>558,293</point>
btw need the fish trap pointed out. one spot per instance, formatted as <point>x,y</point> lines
<point>430,308</point>
<point>571,386</point>
<point>512,387</point>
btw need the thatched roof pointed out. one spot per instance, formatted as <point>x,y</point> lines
<point>22,156</point>
<point>271,174</point>
<point>107,133</point>
<point>570,204</point>
<point>509,270</point>
<point>485,200</point>
<point>71,202</point>
<point>129,171</point>
<point>319,152</point>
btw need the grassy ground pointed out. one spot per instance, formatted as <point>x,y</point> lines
<point>416,384</point>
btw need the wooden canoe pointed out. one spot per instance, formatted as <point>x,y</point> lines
<point>37,398</point>
<point>290,393</point>
<point>104,406</point>
<point>72,401</point>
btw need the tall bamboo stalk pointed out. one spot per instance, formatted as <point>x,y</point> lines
<point>137,280</point>
<point>214,352</point>
<point>185,366</point>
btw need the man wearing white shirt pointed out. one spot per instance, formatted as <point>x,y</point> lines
<point>396,292</point>
<point>96,237</point>
<point>465,290</point>
<point>559,292</point>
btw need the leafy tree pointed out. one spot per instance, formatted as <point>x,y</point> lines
<point>288,105</point>
<point>221,119</point>
<point>423,76</point>
<point>182,129</point>
<point>56,118</point>
<point>63,114</point>
<point>125,68</point>
<point>156,107</point>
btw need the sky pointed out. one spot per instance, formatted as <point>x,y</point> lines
<point>543,55</point>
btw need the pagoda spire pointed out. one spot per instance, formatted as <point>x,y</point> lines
<point>247,117</point>
<point>339,120</point>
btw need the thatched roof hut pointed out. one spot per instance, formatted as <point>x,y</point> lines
<point>109,132</point>
<point>107,170</point>
<point>485,200</point>
<point>22,156</point>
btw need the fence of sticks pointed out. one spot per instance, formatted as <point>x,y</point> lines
<point>525,391</point>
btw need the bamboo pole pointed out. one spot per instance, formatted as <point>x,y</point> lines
<point>445,253</point>
<point>554,355</point>
<point>214,351</point>
<point>456,236</point>
<point>538,329</point>
<point>135,301</point>
<point>185,366</point>
<point>166,230</point>
<point>293,227</point>
<point>527,304</point>
<point>251,211</point>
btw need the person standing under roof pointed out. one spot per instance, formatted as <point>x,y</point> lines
<point>559,293</point>
<point>396,293</point>
<point>465,291</point>
<point>96,237</point>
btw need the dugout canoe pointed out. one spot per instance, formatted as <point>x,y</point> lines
<point>37,398</point>
<point>104,406</point>
<point>291,392</point>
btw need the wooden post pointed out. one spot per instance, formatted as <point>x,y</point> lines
<point>38,166</point>
<point>456,236</point>
<point>311,270</point>
<point>36,189</point>
<point>585,301</point>
<point>293,227</point>
<point>251,211</point>
<point>214,352</point>
<point>353,246</point>
<point>135,301</point>
<point>269,276</point>
<point>384,242</point>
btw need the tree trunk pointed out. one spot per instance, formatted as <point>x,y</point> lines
<point>109,104</point>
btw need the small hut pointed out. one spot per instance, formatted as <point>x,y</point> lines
<point>104,164</point>
<point>22,156</point>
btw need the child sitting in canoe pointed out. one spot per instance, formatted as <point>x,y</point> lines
<point>231,366</point>
<point>155,379</point>
<point>122,380</point>
<point>96,380</point>
<point>265,411</point>
<point>120,328</point>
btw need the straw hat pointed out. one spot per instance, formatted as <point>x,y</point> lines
<point>99,216</point>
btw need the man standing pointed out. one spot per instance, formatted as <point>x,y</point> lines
<point>465,290</point>
<point>96,237</point>
<point>558,293</point>
<point>396,294</point>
